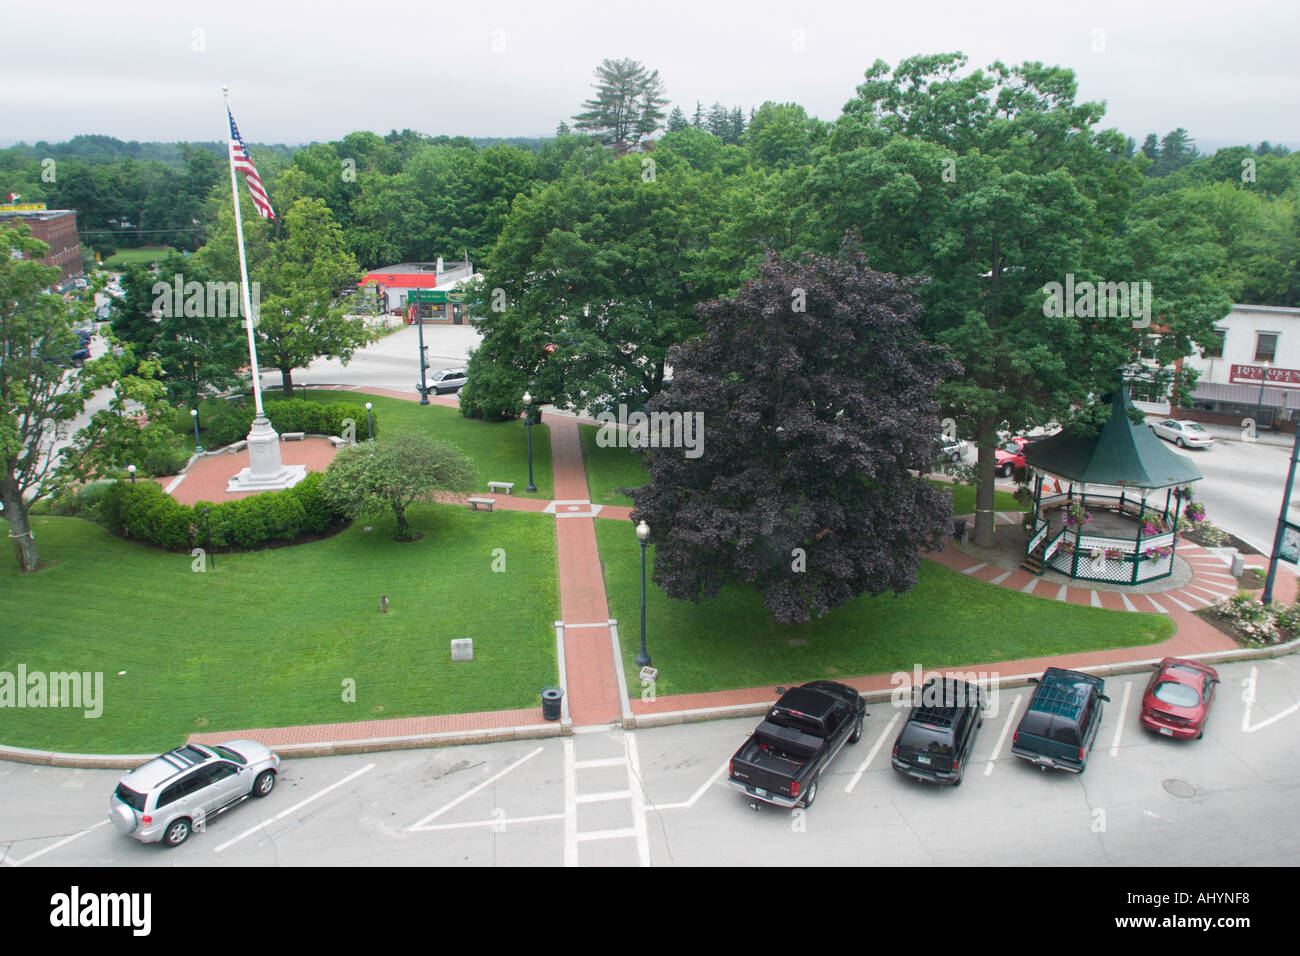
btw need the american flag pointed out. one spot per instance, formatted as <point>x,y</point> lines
<point>243,162</point>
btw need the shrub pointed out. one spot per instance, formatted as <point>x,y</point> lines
<point>295,415</point>
<point>1255,620</point>
<point>318,513</point>
<point>493,392</point>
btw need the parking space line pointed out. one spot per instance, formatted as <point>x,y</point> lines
<point>293,809</point>
<point>570,805</point>
<point>494,822</point>
<point>1251,694</point>
<point>639,828</point>
<point>609,834</point>
<point>871,755</point>
<point>54,846</point>
<point>602,762</point>
<point>1123,710</point>
<point>1002,737</point>
<point>687,804</point>
<point>469,793</point>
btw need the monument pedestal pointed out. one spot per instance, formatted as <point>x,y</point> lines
<point>266,472</point>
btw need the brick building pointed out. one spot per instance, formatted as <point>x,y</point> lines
<point>58,227</point>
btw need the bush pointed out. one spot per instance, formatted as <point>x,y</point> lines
<point>295,415</point>
<point>318,513</point>
<point>1255,620</point>
<point>494,392</point>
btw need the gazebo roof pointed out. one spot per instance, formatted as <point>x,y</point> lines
<point>1121,454</point>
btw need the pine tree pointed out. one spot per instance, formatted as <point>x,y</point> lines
<point>627,105</point>
<point>676,120</point>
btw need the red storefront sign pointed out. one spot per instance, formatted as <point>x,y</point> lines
<point>1253,375</point>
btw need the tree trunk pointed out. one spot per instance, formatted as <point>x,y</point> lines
<point>985,470</point>
<point>403,531</point>
<point>20,529</point>
<point>286,382</point>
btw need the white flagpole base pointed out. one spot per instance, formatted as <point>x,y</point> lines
<point>266,472</point>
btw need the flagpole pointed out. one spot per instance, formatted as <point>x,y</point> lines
<point>243,268</point>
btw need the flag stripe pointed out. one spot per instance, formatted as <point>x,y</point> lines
<point>243,162</point>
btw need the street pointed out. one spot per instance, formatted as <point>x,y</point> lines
<point>657,797</point>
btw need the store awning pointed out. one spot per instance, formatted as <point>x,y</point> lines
<point>1246,394</point>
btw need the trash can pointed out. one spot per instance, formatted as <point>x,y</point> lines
<point>958,528</point>
<point>551,697</point>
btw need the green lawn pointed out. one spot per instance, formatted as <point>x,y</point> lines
<point>267,638</point>
<point>499,450</point>
<point>610,468</point>
<point>946,620</point>
<point>963,499</point>
<point>130,257</point>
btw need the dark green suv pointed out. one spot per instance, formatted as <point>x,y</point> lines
<point>939,735</point>
<point>1061,724</point>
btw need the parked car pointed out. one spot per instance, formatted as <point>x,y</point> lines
<point>802,733</point>
<point>1061,724</point>
<point>1183,434</point>
<point>1010,456</point>
<point>954,449</point>
<point>1178,698</point>
<point>164,799</point>
<point>448,380</point>
<point>939,735</point>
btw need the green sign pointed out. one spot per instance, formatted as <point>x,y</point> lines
<point>1289,550</point>
<point>434,297</point>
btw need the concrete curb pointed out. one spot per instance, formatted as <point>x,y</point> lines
<point>564,727</point>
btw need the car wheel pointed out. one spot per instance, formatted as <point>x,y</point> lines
<point>812,795</point>
<point>956,456</point>
<point>857,733</point>
<point>957,782</point>
<point>264,783</point>
<point>1200,735</point>
<point>177,832</point>
<point>1005,471</point>
<point>1180,443</point>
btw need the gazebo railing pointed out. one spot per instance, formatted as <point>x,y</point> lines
<point>1103,567</point>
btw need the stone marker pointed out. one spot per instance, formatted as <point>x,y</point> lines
<point>462,649</point>
<point>1238,564</point>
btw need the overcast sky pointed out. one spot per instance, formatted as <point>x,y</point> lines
<point>303,71</point>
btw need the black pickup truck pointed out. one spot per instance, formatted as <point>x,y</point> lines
<point>802,733</point>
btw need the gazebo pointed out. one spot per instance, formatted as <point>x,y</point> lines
<point>1101,526</point>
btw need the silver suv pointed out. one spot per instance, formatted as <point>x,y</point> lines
<point>171,795</point>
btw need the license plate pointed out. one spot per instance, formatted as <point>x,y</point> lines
<point>1166,731</point>
<point>760,792</point>
<point>922,759</point>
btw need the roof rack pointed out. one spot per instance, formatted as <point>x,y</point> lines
<point>1059,697</point>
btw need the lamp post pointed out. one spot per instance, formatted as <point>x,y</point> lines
<point>424,389</point>
<point>130,469</point>
<point>370,420</point>
<point>1267,597</point>
<point>1259,406</point>
<point>642,535</point>
<point>528,429</point>
<point>198,445</point>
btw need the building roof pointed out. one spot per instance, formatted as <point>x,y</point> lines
<point>1122,454</point>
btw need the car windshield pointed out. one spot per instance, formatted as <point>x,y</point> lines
<point>231,755</point>
<point>1179,695</point>
<point>1012,448</point>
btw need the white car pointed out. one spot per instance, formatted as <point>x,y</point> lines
<point>1183,434</point>
<point>954,449</point>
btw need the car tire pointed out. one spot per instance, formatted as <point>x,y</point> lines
<point>956,456</point>
<point>178,831</point>
<point>812,795</point>
<point>1201,735</point>
<point>857,733</point>
<point>1005,471</point>
<point>1180,443</point>
<point>957,782</point>
<point>264,783</point>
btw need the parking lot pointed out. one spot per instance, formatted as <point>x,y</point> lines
<point>657,797</point>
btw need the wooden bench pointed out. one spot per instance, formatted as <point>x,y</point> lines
<point>486,502</point>
<point>507,486</point>
<point>336,441</point>
<point>293,436</point>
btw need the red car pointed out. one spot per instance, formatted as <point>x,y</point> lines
<point>1010,456</point>
<point>1178,698</point>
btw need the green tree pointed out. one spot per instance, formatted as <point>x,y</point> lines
<point>818,408</point>
<point>677,120</point>
<point>628,104</point>
<point>37,393</point>
<point>390,474</point>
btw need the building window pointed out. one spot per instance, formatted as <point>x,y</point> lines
<point>1214,347</point>
<point>1265,346</point>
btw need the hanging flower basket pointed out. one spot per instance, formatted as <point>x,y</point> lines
<point>1114,554</point>
<point>1155,554</point>
<point>1194,512</point>
<point>1150,528</point>
<point>1076,515</point>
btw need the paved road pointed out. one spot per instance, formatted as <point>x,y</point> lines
<point>655,797</point>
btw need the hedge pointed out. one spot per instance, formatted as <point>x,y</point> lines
<point>144,511</point>
<point>295,415</point>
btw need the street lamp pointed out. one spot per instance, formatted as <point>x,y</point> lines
<point>131,471</point>
<point>424,389</point>
<point>198,445</point>
<point>370,420</point>
<point>643,535</point>
<point>1259,406</point>
<point>528,428</point>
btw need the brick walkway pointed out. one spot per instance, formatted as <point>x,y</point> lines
<point>590,667</point>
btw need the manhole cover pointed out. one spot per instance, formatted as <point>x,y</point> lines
<point>1179,788</point>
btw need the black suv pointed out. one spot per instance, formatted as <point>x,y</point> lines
<point>939,735</point>
<point>1061,724</point>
